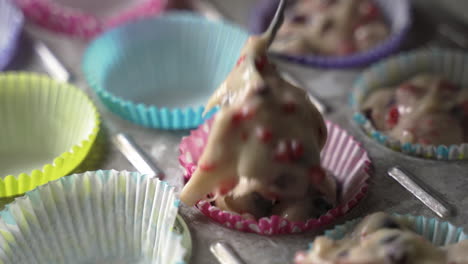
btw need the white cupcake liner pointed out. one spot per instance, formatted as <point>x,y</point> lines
<point>342,155</point>
<point>451,64</point>
<point>95,217</point>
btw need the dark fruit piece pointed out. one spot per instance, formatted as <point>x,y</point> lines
<point>322,205</point>
<point>390,223</point>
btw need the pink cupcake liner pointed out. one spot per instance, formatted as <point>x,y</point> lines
<point>74,22</point>
<point>342,155</point>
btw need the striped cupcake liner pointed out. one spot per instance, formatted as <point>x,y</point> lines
<point>342,155</point>
<point>72,21</point>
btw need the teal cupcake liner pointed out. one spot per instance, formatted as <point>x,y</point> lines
<point>159,72</point>
<point>439,233</point>
<point>95,217</point>
<point>451,64</point>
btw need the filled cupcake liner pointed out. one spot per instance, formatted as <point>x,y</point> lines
<point>11,24</point>
<point>75,22</point>
<point>450,64</point>
<point>159,72</point>
<point>95,217</point>
<point>439,233</point>
<point>397,14</point>
<point>342,155</point>
<point>48,128</point>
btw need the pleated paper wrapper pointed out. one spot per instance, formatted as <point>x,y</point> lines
<point>95,217</point>
<point>342,155</point>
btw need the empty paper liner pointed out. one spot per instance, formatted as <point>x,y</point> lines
<point>447,63</point>
<point>159,72</point>
<point>48,128</point>
<point>87,18</point>
<point>95,217</point>
<point>397,16</point>
<point>342,155</point>
<point>11,24</point>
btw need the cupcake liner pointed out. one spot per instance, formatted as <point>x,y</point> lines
<point>397,14</point>
<point>159,72</point>
<point>82,19</point>
<point>449,63</point>
<point>11,24</point>
<point>95,217</point>
<point>439,233</point>
<point>47,130</point>
<point>342,155</point>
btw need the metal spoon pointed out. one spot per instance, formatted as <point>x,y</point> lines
<point>136,155</point>
<point>225,254</point>
<point>53,65</point>
<point>275,23</point>
<point>416,187</point>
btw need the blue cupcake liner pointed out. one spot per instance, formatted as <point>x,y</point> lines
<point>451,64</point>
<point>11,24</point>
<point>397,13</point>
<point>94,217</point>
<point>439,233</point>
<point>159,72</point>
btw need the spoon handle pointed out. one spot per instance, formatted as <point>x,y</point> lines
<point>137,156</point>
<point>275,23</point>
<point>418,190</point>
<point>225,254</point>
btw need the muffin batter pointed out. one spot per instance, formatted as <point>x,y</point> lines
<point>331,27</point>
<point>263,152</point>
<point>382,239</point>
<point>426,109</point>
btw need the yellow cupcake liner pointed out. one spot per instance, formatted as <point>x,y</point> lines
<point>46,130</point>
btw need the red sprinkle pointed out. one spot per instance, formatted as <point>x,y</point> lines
<point>207,167</point>
<point>244,135</point>
<point>445,85</point>
<point>243,114</point>
<point>410,88</point>
<point>392,116</point>
<point>264,134</point>
<point>289,107</point>
<point>316,175</point>
<point>271,196</point>
<point>464,106</point>
<point>226,186</point>
<point>240,60</point>
<point>297,149</point>
<point>261,62</point>
<point>346,48</point>
<point>430,122</point>
<point>369,11</point>
<point>424,141</point>
<point>282,152</point>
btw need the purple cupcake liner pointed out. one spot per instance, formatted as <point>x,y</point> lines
<point>11,24</point>
<point>396,12</point>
